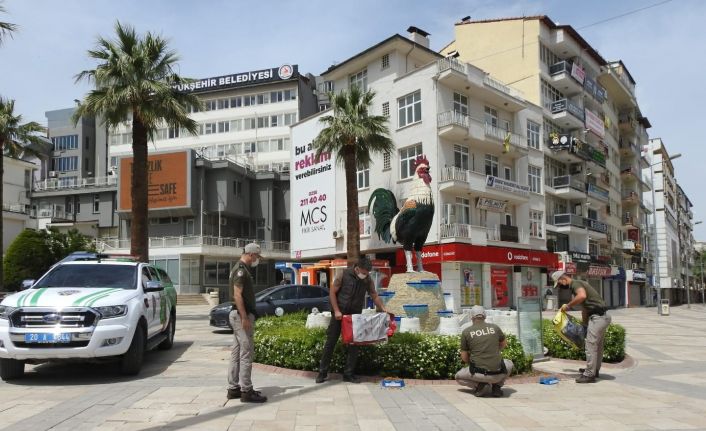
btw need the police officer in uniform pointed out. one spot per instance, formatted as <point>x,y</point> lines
<point>347,296</point>
<point>595,317</point>
<point>242,319</point>
<point>481,344</point>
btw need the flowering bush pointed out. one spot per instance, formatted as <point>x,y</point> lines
<point>613,347</point>
<point>285,342</point>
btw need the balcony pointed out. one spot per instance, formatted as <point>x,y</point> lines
<point>630,221</point>
<point>16,208</point>
<point>454,179</point>
<point>56,184</point>
<point>508,139</point>
<point>461,232</point>
<point>507,233</point>
<point>628,148</point>
<point>568,113</point>
<point>627,123</point>
<point>568,219</point>
<point>597,192</point>
<point>453,125</point>
<point>595,225</point>
<point>499,187</point>
<point>564,79</point>
<point>630,197</point>
<point>516,96</point>
<point>199,244</point>
<point>55,213</point>
<point>569,187</point>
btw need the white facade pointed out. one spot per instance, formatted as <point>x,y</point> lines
<point>17,180</point>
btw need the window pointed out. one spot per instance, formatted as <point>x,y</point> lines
<point>507,172</point>
<point>65,164</point>
<point>88,143</point>
<point>386,161</point>
<point>407,157</point>
<point>263,122</point>
<point>491,165</point>
<point>547,56</point>
<point>211,105</point>
<point>461,157</point>
<point>77,204</point>
<point>284,294</point>
<point>249,100</point>
<point>263,146</point>
<point>410,109</point>
<point>550,94</point>
<point>249,123</point>
<point>173,133</point>
<point>290,118</point>
<point>461,103</point>
<point>533,130</point>
<point>326,86</point>
<point>312,292</point>
<point>363,179</point>
<point>69,142</point>
<point>324,106</point>
<point>508,219</point>
<point>237,188</point>
<point>210,128</point>
<point>96,203</point>
<point>463,211</point>
<point>364,222</point>
<point>276,96</point>
<point>223,126</point>
<point>534,175</point>
<point>536,224</point>
<point>360,80</point>
<point>223,103</point>
<point>236,125</point>
<point>491,116</point>
<point>386,109</point>
<point>236,102</point>
<point>385,61</point>
<point>262,98</point>
<point>290,94</point>
<point>274,120</point>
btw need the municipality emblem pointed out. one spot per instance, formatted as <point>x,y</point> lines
<point>285,71</point>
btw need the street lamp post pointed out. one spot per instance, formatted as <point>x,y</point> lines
<point>655,264</point>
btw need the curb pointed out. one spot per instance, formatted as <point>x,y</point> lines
<point>522,379</point>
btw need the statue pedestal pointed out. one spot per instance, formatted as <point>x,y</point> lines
<point>431,295</point>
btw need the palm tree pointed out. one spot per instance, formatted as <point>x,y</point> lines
<point>136,79</point>
<point>12,134</point>
<point>354,135</point>
<point>6,28</point>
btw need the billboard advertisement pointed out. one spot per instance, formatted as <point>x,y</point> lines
<point>168,176</point>
<point>313,187</point>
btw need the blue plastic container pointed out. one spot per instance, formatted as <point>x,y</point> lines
<point>416,310</point>
<point>386,296</point>
<point>445,313</point>
<point>424,284</point>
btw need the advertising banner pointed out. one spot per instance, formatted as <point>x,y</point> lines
<point>168,177</point>
<point>594,123</point>
<point>313,187</point>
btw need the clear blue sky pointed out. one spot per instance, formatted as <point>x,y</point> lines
<point>663,48</point>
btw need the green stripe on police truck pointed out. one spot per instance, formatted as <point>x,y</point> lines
<point>35,297</point>
<point>89,297</point>
<point>97,298</point>
<point>21,299</point>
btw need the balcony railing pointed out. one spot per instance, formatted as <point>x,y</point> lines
<point>452,173</point>
<point>630,220</point>
<point>501,135</point>
<point>15,208</point>
<point>494,83</point>
<point>192,241</point>
<point>59,184</point>
<point>508,233</point>
<point>451,63</point>
<point>456,230</point>
<point>453,118</point>
<point>53,212</point>
<point>566,181</point>
<point>568,219</point>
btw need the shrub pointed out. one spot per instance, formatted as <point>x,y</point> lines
<point>613,347</point>
<point>285,342</point>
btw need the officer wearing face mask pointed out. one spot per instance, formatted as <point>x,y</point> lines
<point>242,319</point>
<point>347,296</point>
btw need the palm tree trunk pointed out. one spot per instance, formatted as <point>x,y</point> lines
<point>2,226</point>
<point>138,230</point>
<point>352,223</point>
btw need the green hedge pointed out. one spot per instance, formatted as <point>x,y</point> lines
<point>613,348</point>
<point>285,342</point>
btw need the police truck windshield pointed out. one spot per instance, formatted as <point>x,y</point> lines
<point>91,275</point>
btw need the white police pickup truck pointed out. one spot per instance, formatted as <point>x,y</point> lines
<point>88,310</point>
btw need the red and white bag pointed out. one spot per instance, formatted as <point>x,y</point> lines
<point>367,328</point>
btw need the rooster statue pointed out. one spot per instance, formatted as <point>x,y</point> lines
<point>410,225</point>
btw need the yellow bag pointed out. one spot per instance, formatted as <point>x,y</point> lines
<point>570,329</point>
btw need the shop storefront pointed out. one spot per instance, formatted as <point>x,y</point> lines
<point>636,288</point>
<point>495,277</point>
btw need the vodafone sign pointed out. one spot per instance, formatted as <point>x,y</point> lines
<point>474,253</point>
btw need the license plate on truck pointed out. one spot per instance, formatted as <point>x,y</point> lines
<point>47,338</point>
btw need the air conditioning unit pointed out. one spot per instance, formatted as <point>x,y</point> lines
<point>338,234</point>
<point>52,174</point>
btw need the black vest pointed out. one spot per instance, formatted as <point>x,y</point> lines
<point>351,295</point>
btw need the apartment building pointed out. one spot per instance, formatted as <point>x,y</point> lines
<point>585,101</point>
<point>685,224</point>
<point>210,193</point>
<point>16,208</point>
<point>487,242</point>
<point>664,223</point>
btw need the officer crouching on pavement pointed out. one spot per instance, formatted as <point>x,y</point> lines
<point>242,319</point>
<point>481,344</point>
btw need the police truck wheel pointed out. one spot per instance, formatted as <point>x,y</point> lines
<point>131,362</point>
<point>11,369</point>
<point>171,329</point>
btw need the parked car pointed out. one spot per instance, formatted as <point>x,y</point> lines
<point>88,310</point>
<point>291,298</point>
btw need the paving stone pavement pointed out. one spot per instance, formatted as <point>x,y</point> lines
<point>185,389</point>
